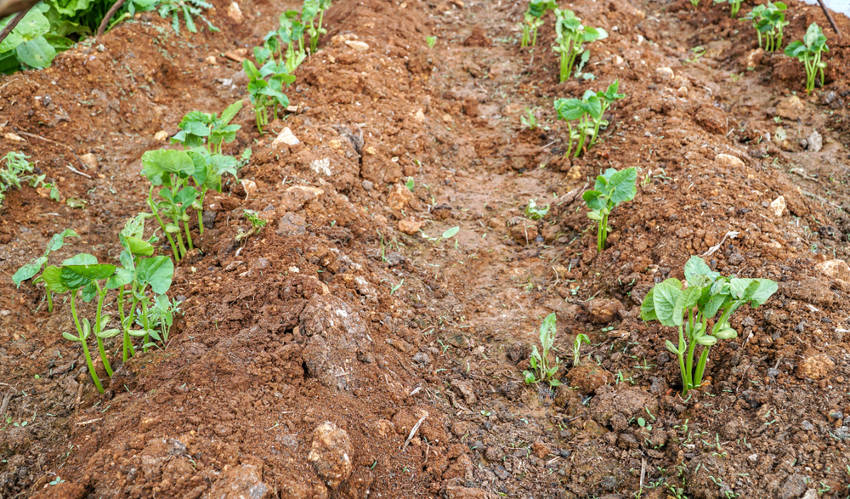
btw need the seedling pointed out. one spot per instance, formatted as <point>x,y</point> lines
<point>734,6</point>
<point>447,234</point>
<point>265,85</point>
<point>580,338</point>
<point>170,170</point>
<point>535,212</point>
<point>286,44</point>
<point>533,19</point>
<point>588,112</point>
<point>690,305</point>
<point>769,20</point>
<point>430,41</point>
<point>612,188</point>
<point>312,14</point>
<point>83,272</point>
<point>570,37</point>
<point>186,9</point>
<point>33,268</point>
<point>529,120</point>
<point>257,225</point>
<point>18,170</point>
<point>142,314</point>
<point>809,51</point>
<point>410,184</point>
<point>541,368</point>
<point>203,134</point>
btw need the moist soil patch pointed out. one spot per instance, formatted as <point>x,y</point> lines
<point>348,350</point>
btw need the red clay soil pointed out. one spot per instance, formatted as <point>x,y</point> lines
<point>307,355</point>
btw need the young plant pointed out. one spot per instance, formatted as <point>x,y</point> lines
<point>16,171</point>
<point>83,273</point>
<point>529,120</point>
<point>580,338</point>
<point>734,6</point>
<point>142,314</point>
<point>33,268</point>
<point>265,85</point>
<point>809,51</point>
<point>535,212</point>
<point>286,44</point>
<point>689,306</point>
<point>170,170</point>
<point>203,135</point>
<point>257,225</point>
<point>533,19</point>
<point>570,37</point>
<point>612,188</point>
<point>312,14</point>
<point>588,112</point>
<point>185,9</point>
<point>769,20</point>
<point>541,368</point>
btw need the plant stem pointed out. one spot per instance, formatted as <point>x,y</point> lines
<point>703,358</point>
<point>101,294</point>
<point>152,205</point>
<point>49,301</point>
<point>685,373</point>
<point>188,234</point>
<point>83,343</point>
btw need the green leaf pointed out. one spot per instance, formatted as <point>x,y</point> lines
<point>670,346</point>
<point>647,307</point>
<point>58,240</point>
<point>726,333</point>
<point>89,292</point>
<point>230,112</point>
<point>33,25</point>
<point>157,272</point>
<point>76,276</point>
<point>529,377</point>
<point>765,289</point>
<point>109,333</point>
<point>159,163</point>
<point>623,182</point>
<point>36,53</point>
<point>594,200</point>
<point>548,328</point>
<point>698,273</point>
<point>121,277</point>
<point>450,232</point>
<point>715,303</point>
<point>28,271</point>
<point>52,277</point>
<point>665,296</point>
<point>70,337</point>
<point>706,340</point>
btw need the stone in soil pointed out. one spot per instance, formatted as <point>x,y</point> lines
<point>240,482</point>
<point>604,310</point>
<point>588,377</point>
<point>330,454</point>
<point>815,367</point>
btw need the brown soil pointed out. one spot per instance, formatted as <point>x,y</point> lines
<point>332,313</point>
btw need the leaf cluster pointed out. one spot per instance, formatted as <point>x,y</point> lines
<point>541,368</point>
<point>589,113</point>
<point>535,212</point>
<point>690,305</point>
<point>533,20</point>
<point>570,37</point>
<point>612,188</point>
<point>769,20</point>
<point>17,170</point>
<point>809,51</point>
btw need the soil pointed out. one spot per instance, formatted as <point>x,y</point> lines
<point>342,353</point>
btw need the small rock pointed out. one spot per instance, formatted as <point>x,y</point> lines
<point>604,310</point>
<point>728,160</point>
<point>790,108</point>
<point>754,57</point>
<point>777,206</point>
<point>240,482</point>
<point>322,166</point>
<point>298,195</point>
<point>250,187</point>
<point>13,137</point>
<point>368,185</point>
<point>815,141</point>
<point>794,486</point>
<point>286,137</point>
<point>460,492</point>
<point>588,377</point>
<point>815,367</point>
<point>835,269</point>
<point>399,198</point>
<point>160,135</point>
<point>419,115</point>
<point>464,388</point>
<point>811,494</point>
<point>682,91</point>
<point>234,12</point>
<point>89,160</point>
<point>422,358</point>
<point>357,45</point>
<point>664,73</point>
<point>539,449</point>
<point>211,60</point>
<point>330,454</point>
<point>410,225</point>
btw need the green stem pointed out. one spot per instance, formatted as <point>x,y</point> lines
<point>201,212</point>
<point>188,234</point>
<point>703,358</point>
<point>179,238</point>
<point>101,294</point>
<point>145,324</point>
<point>152,205</point>
<point>689,366</point>
<point>86,353</point>
<point>570,143</point>
<point>685,373</point>
<point>49,301</point>
<point>534,37</point>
